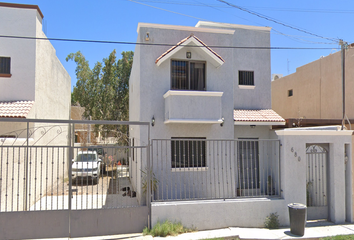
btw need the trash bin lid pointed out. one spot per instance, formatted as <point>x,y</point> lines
<point>297,205</point>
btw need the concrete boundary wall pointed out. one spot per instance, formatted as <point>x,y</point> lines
<point>213,214</point>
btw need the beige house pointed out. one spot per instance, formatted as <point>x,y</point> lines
<point>313,94</point>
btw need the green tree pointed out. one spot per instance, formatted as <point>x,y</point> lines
<point>104,90</point>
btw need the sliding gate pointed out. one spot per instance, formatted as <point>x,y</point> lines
<point>63,178</point>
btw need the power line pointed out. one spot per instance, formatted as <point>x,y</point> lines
<point>166,10</point>
<point>297,39</point>
<point>334,11</point>
<point>160,44</point>
<point>277,22</point>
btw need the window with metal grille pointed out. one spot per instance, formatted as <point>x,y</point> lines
<point>188,75</point>
<point>187,152</point>
<point>5,63</point>
<point>246,78</point>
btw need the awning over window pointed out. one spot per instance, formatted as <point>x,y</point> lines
<point>212,56</point>
<point>257,117</point>
<point>15,109</point>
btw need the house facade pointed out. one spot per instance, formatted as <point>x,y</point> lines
<point>190,89</point>
<point>313,94</point>
<point>206,92</point>
<point>33,82</point>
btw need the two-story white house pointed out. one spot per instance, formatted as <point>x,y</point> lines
<point>208,81</point>
<point>198,84</point>
<point>33,82</point>
<point>206,92</point>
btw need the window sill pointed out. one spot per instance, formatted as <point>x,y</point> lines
<point>246,87</point>
<point>191,169</point>
<point>5,75</point>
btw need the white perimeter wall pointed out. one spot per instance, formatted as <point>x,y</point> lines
<point>252,212</point>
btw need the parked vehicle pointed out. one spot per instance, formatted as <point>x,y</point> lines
<point>87,165</point>
<point>101,155</point>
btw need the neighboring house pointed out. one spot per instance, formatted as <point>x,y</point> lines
<point>33,82</point>
<point>312,96</point>
<point>33,85</point>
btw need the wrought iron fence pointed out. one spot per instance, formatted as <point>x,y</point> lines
<point>192,169</point>
<point>43,168</point>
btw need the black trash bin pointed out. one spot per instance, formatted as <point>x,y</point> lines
<point>297,213</point>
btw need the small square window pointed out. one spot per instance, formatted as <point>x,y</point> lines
<point>290,93</point>
<point>246,78</point>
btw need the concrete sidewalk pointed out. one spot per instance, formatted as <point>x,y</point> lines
<point>313,230</point>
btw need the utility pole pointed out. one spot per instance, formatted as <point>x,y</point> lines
<point>343,47</point>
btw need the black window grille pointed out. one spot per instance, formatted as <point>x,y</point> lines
<point>188,153</point>
<point>246,78</point>
<point>5,63</point>
<point>187,75</point>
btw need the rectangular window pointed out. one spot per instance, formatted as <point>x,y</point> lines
<point>5,64</point>
<point>246,78</point>
<point>290,93</point>
<point>248,164</point>
<point>188,75</point>
<point>187,152</point>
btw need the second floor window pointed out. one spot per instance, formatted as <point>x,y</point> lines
<point>246,78</point>
<point>5,65</point>
<point>188,75</point>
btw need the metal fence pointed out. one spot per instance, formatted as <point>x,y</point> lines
<point>192,169</point>
<point>42,168</point>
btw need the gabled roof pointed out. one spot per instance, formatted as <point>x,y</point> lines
<point>257,117</point>
<point>15,109</point>
<point>215,58</point>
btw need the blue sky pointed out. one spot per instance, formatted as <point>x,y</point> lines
<point>117,20</point>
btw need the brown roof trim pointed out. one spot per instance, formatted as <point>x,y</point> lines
<point>16,5</point>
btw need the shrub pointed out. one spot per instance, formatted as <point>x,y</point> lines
<point>272,221</point>
<point>165,229</point>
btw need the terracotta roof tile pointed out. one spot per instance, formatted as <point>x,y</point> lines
<point>262,115</point>
<point>15,109</point>
<point>182,41</point>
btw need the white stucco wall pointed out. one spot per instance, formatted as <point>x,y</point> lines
<point>149,82</point>
<point>216,214</point>
<point>250,212</point>
<point>18,22</point>
<point>294,169</point>
<point>53,83</point>
<point>37,74</point>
